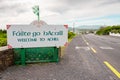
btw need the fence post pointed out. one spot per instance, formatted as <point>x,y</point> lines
<point>56,54</point>
<point>23,56</point>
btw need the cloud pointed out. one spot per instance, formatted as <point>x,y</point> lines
<point>64,6</point>
<point>109,2</point>
<point>8,8</point>
<point>58,11</point>
<point>73,5</point>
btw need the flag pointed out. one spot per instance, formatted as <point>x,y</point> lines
<point>36,10</point>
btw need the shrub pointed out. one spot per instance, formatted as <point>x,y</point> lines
<point>106,30</point>
<point>3,38</point>
<point>3,41</point>
<point>70,35</point>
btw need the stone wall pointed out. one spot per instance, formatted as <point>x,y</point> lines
<point>6,58</point>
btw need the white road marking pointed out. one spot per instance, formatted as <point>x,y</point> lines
<point>105,47</point>
<point>84,48</point>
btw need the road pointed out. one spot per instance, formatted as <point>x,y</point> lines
<point>87,57</point>
<point>100,55</point>
<point>107,50</point>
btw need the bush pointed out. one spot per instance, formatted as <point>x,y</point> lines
<point>70,35</point>
<point>106,30</point>
<point>3,42</point>
<point>3,38</point>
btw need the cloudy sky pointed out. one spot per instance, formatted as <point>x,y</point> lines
<point>80,12</point>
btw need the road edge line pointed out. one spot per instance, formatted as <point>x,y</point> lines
<point>112,69</point>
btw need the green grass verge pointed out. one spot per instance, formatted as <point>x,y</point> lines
<point>62,49</point>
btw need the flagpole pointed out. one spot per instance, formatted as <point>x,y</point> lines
<point>38,15</point>
<point>38,18</point>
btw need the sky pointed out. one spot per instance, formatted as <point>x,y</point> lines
<point>57,12</point>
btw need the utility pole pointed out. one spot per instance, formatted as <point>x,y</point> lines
<point>73,26</point>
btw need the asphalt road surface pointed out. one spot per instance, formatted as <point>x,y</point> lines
<point>87,57</point>
<point>107,49</point>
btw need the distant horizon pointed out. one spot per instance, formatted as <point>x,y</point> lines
<point>90,26</point>
<point>85,26</point>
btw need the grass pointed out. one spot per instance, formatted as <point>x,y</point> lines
<point>62,49</point>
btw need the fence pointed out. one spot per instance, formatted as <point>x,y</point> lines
<point>8,58</point>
